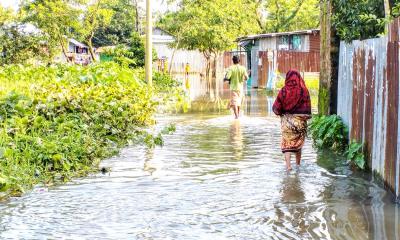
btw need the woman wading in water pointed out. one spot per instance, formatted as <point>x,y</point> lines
<point>293,105</point>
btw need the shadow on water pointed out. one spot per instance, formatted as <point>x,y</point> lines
<point>215,178</point>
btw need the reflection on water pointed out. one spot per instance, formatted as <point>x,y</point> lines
<point>258,103</point>
<point>236,139</point>
<point>215,178</point>
<point>292,189</point>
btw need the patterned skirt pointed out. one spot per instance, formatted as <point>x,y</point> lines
<point>294,131</point>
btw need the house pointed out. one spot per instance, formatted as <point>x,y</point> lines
<point>78,52</point>
<point>178,61</point>
<point>271,55</point>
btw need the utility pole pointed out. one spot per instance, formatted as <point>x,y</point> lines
<point>149,44</point>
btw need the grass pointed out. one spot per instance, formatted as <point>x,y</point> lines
<point>312,84</point>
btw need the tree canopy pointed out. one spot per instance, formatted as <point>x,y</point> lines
<point>290,15</point>
<point>98,14</point>
<point>210,26</point>
<point>123,24</point>
<point>55,19</point>
<point>358,19</point>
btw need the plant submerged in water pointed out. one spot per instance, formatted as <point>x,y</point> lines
<point>329,132</point>
<point>58,122</point>
<point>355,155</point>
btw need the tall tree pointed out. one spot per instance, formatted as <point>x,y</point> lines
<point>97,14</point>
<point>211,26</point>
<point>326,70</point>
<point>15,45</point>
<point>123,23</point>
<point>55,19</point>
<point>289,15</point>
<point>355,19</point>
<point>6,15</point>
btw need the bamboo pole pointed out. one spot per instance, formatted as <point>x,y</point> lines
<point>149,44</point>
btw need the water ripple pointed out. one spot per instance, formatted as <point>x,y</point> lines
<point>215,178</point>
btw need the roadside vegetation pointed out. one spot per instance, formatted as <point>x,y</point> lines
<point>329,132</point>
<point>58,122</point>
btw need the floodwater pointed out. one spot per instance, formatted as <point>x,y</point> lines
<point>215,178</point>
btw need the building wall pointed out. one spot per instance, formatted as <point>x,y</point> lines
<point>314,42</point>
<point>254,66</point>
<point>264,70</point>
<point>267,44</point>
<point>368,101</point>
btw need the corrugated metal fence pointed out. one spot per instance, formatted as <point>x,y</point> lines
<point>368,101</point>
<point>272,62</point>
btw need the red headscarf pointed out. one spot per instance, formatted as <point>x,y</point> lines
<point>294,97</point>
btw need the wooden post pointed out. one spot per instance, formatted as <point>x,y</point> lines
<point>149,44</point>
<point>325,60</point>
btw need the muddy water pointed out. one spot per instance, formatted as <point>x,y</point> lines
<point>215,178</point>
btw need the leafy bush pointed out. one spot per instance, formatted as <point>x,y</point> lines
<point>354,19</point>
<point>165,83</point>
<point>18,47</point>
<point>329,132</point>
<point>58,122</point>
<point>355,155</point>
<point>131,55</point>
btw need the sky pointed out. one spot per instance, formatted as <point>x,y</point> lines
<point>9,3</point>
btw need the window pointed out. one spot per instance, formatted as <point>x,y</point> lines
<point>290,42</point>
<point>296,42</point>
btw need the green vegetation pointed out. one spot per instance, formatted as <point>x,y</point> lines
<point>354,19</point>
<point>323,101</point>
<point>130,54</point>
<point>94,22</point>
<point>312,83</point>
<point>329,132</point>
<point>290,15</point>
<point>58,122</point>
<point>124,23</point>
<point>55,19</point>
<point>98,15</point>
<point>355,155</point>
<point>210,26</point>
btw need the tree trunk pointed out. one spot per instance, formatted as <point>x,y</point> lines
<point>387,7</point>
<point>136,16</point>
<point>90,45</point>
<point>208,70</point>
<point>258,15</point>
<point>325,58</point>
<point>92,55</point>
<point>63,49</point>
<point>173,55</point>
<point>214,75</point>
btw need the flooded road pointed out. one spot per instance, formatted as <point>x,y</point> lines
<point>215,178</point>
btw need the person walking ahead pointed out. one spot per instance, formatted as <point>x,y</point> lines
<point>237,75</point>
<point>293,105</point>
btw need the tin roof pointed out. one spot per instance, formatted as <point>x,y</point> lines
<point>269,35</point>
<point>76,43</point>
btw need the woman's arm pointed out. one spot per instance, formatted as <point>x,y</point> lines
<point>277,107</point>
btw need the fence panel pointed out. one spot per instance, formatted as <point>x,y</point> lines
<point>368,101</point>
